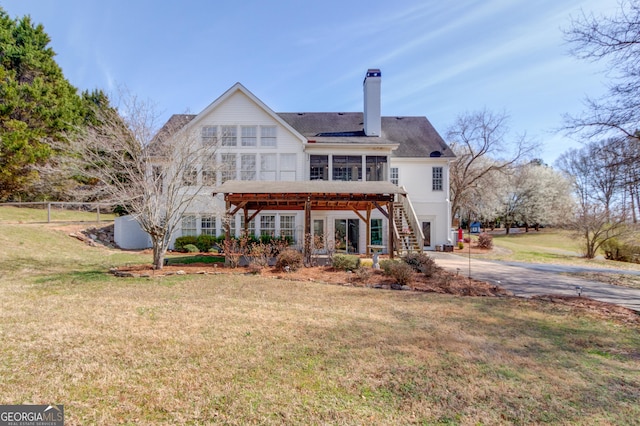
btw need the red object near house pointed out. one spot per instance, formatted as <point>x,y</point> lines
<point>460,234</point>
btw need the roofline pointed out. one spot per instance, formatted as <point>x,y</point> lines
<point>238,87</point>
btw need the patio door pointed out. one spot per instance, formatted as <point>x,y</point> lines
<point>347,235</point>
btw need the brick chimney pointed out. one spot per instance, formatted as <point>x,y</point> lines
<point>372,120</point>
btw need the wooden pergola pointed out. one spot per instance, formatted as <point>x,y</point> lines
<point>252,197</point>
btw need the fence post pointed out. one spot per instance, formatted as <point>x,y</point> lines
<point>48,212</point>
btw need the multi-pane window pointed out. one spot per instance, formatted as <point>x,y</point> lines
<point>189,225</point>
<point>248,167</point>
<point>249,136</point>
<point>319,167</point>
<point>268,166</point>
<point>209,135</point>
<point>376,168</point>
<point>288,167</point>
<point>190,176</point>
<point>208,225</point>
<point>347,167</point>
<point>394,176</point>
<point>268,136</point>
<point>232,225</point>
<point>251,228</point>
<point>268,225</point>
<point>288,226</point>
<point>208,175</point>
<point>229,136</point>
<point>436,176</point>
<point>228,166</point>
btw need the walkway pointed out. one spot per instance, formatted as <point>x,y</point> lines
<point>530,279</point>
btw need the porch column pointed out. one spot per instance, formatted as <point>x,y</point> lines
<point>391,233</point>
<point>307,232</point>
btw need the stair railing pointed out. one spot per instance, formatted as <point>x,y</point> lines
<point>412,218</point>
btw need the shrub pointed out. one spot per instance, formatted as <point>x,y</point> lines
<point>205,242</point>
<point>190,248</point>
<point>346,262</point>
<point>183,241</point>
<point>485,241</point>
<point>623,252</point>
<point>400,271</point>
<point>387,265</point>
<point>363,274</point>
<point>289,258</point>
<point>421,262</point>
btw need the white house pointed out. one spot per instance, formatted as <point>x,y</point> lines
<point>334,174</point>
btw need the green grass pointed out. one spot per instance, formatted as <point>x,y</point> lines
<point>236,349</point>
<point>546,246</point>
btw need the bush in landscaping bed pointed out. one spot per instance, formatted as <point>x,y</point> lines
<point>346,262</point>
<point>400,271</point>
<point>291,258</point>
<point>190,248</point>
<point>421,262</point>
<point>485,241</point>
<point>183,241</point>
<point>205,242</point>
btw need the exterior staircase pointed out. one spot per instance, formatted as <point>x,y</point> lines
<point>407,231</point>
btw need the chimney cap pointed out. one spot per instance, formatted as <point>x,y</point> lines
<point>374,72</point>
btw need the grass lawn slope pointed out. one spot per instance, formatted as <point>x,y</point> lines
<point>242,349</point>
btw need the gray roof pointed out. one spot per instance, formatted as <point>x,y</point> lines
<point>415,136</point>
<point>307,187</point>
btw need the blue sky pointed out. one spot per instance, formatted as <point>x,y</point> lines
<point>439,59</point>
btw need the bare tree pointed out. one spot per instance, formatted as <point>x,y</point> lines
<point>614,39</point>
<point>156,176</point>
<point>599,216</point>
<point>482,146</point>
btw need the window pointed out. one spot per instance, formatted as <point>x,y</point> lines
<point>436,175</point>
<point>228,164</point>
<point>190,176</point>
<point>347,167</point>
<point>376,168</point>
<point>208,225</point>
<point>229,136</point>
<point>249,136</point>
<point>209,135</point>
<point>248,167</point>
<point>251,229</point>
<point>376,232</point>
<point>268,225</point>
<point>319,167</point>
<point>288,167</point>
<point>232,225</point>
<point>268,136</point>
<point>288,226</point>
<point>318,234</point>
<point>394,176</point>
<point>189,225</point>
<point>208,176</point>
<point>268,163</point>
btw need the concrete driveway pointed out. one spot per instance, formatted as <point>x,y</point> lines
<point>530,279</point>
